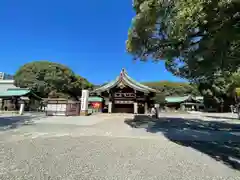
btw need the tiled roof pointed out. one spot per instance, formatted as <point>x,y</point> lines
<point>14,92</point>
<point>199,98</point>
<point>176,99</point>
<point>140,85</point>
<point>17,92</point>
<point>127,81</point>
<point>179,99</point>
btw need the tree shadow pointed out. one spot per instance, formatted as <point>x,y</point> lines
<point>219,140</point>
<point>16,121</point>
<point>220,117</point>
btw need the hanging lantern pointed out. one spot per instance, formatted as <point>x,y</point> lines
<point>96,105</point>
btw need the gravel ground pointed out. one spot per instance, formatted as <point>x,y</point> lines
<point>108,149</point>
<point>106,158</point>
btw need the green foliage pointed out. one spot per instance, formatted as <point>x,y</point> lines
<point>160,99</point>
<point>220,90</point>
<point>45,78</point>
<point>55,94</point>
<point>168,88</point>
<point>196,38</point>
<point>234,82</point>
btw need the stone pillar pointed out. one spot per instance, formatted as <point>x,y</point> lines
<point>197,107</point>
<point>145,108</point>
<point>110,107</point>
<point>182,107</point>
<point>193,108</point>
<point>135,108</point>
<point>21,110</point>
<point>84,103</point>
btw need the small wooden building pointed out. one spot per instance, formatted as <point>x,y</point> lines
<point>125,95</point>
<point>185,103</point>
<point>95,104</point>
<point>62,107</point>
<point>13,97</point>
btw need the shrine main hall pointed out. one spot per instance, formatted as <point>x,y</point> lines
<point>125,95</point>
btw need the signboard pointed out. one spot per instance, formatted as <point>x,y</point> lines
<point>124,95</point>
<point>96,105</point>
<point>84,100</point>
<point>56,109</point>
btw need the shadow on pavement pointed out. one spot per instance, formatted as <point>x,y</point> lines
<point>15,121</point>
<point>219,140</point>
<point>220,117</point>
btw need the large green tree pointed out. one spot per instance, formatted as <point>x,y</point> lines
<point>196,38</point>
<point>168,88</point>
<point>220,91</point>
<point>48,78</point>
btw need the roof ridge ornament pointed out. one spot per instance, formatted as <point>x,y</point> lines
<point>123,71</point>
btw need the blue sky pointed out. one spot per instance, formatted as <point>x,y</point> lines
<point>88,36</point>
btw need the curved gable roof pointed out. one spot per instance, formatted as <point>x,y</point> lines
<point>128,81</point>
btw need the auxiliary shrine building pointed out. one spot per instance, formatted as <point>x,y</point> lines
<point>125,95</point>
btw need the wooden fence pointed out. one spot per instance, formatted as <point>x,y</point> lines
<point>62,107</point>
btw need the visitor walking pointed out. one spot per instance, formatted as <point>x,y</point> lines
<point>154,112</point>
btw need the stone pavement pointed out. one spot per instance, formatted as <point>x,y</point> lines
<point>109,148</point>
<point>114,125</point>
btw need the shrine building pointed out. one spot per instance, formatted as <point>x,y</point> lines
<point>125,95</point>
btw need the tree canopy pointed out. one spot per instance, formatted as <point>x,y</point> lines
<point>50,79</point>
<point>220,91</point>
<point>196,38</point>
<point>168,88</point>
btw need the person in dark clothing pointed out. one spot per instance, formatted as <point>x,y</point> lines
<point>156,112</point>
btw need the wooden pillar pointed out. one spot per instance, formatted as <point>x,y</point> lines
<point>135,107</point>
<point>135,104</point>
<point>110,104</point>
<point>146,108</point>
<point>110,107</point>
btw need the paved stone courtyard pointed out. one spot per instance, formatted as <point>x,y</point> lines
<point>120,146</point>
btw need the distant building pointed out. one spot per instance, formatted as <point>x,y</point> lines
<point>6,84</point>
<point>125,95</point>
<point>189,103</point>
<point>5,76</point>
<point>11,97</point>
